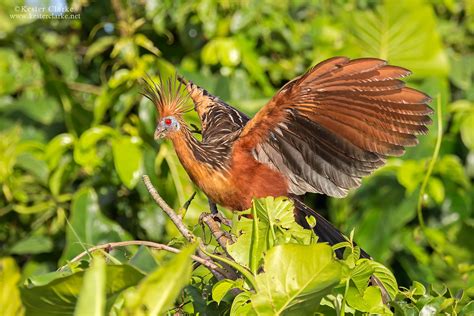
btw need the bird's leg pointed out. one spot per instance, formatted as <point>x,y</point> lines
<point>212,207</point>
<point>216,215</point>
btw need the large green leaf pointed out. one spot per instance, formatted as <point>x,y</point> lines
<point>403,32</point>
<point>159,290</point>
<point>296,278</point>
<point>88,226</point>
<point>9,295</point>
<point>91,301</point>
<point>276,225</point>
<point>60,296</point>
<point>128,159</point>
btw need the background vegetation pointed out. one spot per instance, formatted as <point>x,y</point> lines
<point>76,135</point>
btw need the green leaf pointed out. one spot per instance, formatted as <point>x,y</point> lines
<point>295,280</point>
<point>370,301</point>
<point>88,226</point>
<point>91,301</point>
<point>276,225</point>
<point>10,296</point>
<point>403,32</point>
<point>221,288</point>
<point>57,147</point>
<point>467,131</point>
<point>145,42</point>
<point>39,108</point>
<point>436,190</point>
<point>361,273</point>
<point>159,290</point>
<point>468,309</point>
<point>32,245</point>
<point>385,276</point>
<point>34,165</point>
<point>85,151</point>
<point>417,288</point>
<point>143,260</point>
<point>98,47</point>
<point>59,297</point>
<point>128,159</point>
<point>410,174</point>
<point>242,305</point>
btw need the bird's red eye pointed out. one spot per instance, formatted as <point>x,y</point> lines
<point>168,121</point>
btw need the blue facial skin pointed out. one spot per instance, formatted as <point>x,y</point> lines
<point>166,125</point>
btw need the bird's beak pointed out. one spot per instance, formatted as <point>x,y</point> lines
<point>159,133</point>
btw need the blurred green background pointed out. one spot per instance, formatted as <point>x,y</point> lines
<point>76,135</point>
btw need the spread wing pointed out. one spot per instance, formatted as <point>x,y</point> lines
<point>337,123</point>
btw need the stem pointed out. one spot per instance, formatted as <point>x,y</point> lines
<point>343,303</point>
<point>245,273</point>
<point>434,157</point>
<point>168,210</point>
<point>177,220</point>
<point>254,242</point>
<point>207,263</point>
<point>220,235</point>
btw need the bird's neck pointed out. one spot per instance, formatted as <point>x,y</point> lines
<point>185,145</point>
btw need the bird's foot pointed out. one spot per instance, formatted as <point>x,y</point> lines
<point>219,217</point>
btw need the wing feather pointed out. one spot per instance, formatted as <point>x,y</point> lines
<point>338,122</point>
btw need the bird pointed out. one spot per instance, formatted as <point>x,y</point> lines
<point>322,132</point>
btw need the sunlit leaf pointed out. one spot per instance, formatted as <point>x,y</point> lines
<point>128,159</point>
<point>10,296</point>
<point>467,131</point>
<point>276,225</point>
<point>296,277</point>
<point>403,32</point>
<point>85,151</point>
<point>370,301</point>
<point>98,47</point>
<point>158,291</point>
<point>221,288</point>
<point>91,301</point>
<point>60,296</point>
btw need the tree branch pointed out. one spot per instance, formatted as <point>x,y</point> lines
<point>220,235</point>
<point>177,220</point>
<point>205,262</point>
<point>168,210</point>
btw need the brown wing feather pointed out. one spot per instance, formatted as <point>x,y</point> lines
<point>336,123</point>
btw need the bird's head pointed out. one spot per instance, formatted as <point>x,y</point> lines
<point>166,125</point>
<point>171,100</point>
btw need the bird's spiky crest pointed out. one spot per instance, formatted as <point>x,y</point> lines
<point>169,97</point>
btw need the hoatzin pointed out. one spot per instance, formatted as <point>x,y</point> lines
<point>321,132</point>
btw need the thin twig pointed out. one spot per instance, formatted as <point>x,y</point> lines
<point>168,210</point>
<point>207,263</point>
<point>434,157</point>
<point>220,235</point>
<point>177,220</point>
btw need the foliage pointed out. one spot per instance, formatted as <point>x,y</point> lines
<point>75,136</point>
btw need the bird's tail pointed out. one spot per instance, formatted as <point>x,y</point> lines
<point>323,228</point>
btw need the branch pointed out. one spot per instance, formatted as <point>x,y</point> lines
<point>207,263</point>
<point>177,220</point>
<point>220,235</point>
<point>168,210</point>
